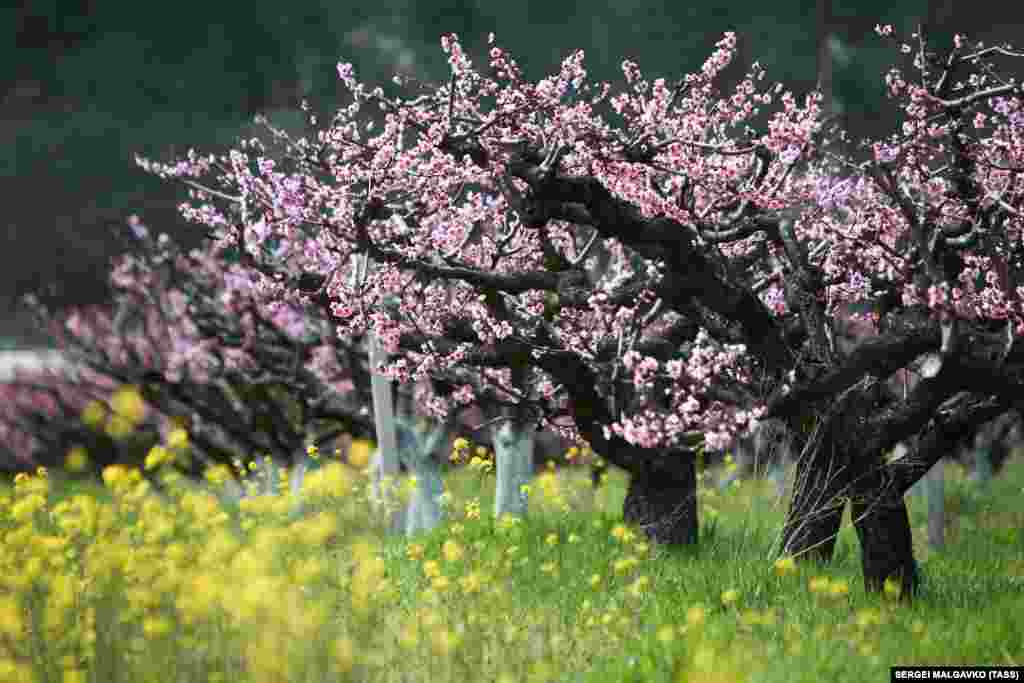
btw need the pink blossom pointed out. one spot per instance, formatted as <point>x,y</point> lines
<point>432,187</point>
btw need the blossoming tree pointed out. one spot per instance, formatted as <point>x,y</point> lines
<point>257,379</point>
<point>249,382</point>
<point>736,235</point>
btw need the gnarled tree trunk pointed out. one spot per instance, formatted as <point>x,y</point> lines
<point>830,471</point>
<point>819,494</point>
<point>883,528</point>
<point>663,500</point>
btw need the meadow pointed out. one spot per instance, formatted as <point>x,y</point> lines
<point>165,580</point>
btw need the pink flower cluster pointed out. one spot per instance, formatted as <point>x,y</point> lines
<point>413,213</point>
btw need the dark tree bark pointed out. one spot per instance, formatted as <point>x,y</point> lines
<point>663,502</point>
<point>823,476</point>
<point>834,467</point>
<point>816,509</point>
<point>880,517</point>
<point>825,481</point>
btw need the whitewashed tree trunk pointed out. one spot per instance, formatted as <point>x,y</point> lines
<point>424,511</point>
<point>383,412</point>
<point>513,451</point>
<point>777,473</point>
<point>231,490</point>
<point>386,459</point>
<point>267,476</point>
<point>935,487</point>
<point>296,477</point>
<point>381,487</point>
<point>982,466</point>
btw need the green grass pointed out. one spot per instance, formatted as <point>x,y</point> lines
<point>181,592</point>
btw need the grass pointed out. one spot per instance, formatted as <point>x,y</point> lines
<point>124,585</point>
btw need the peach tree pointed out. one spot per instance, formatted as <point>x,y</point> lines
<point>243,383</point>
<point>653,267</point>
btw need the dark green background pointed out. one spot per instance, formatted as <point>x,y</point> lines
<point>87,84</point>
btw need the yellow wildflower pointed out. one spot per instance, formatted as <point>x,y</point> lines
<point>867,618</point>
<point>25,508</point>
<point>344,654</point>
<point>127,403</point>
<point>443,641</point>
<point>94,414</point>
<point>451,550</point>
<point>217,474</point>
<point>818,584</point>
<point>154,627</point>
<point>471,583</point>
<point>157,457</point>
<point>359,453</point>
<point>115,474</point>
<point>625,565</point>
<point>119,426</point>
<point>839,588</point>
<point>177,438</point>
<point>785,566</point>
<point>77,459</point>
<point>11,622</point>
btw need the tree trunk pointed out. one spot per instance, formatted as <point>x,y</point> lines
<point>513,453</point>
<point>383,410</point>
<point>982,473</point>
<point>883,527</point>
<point>386,468</point>
<point>424,511</point>
<point>936,488</point>
<point>816,510</point>
<point>827,476</point>
<point>663,502</point>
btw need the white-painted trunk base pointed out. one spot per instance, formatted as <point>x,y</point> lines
<point>513,451</point>
<point>936,491</point>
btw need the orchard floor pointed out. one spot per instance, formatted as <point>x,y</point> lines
<point>120,584</point>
